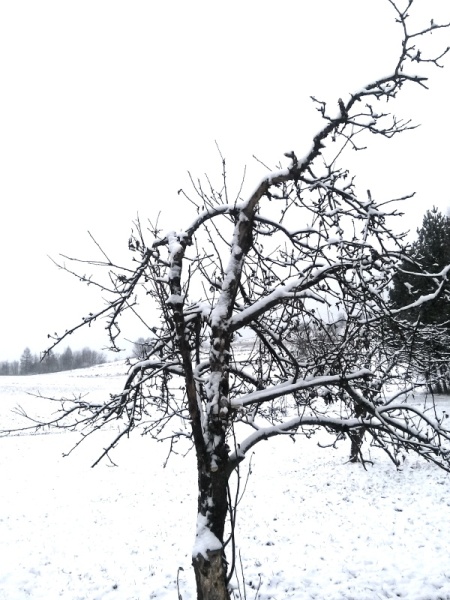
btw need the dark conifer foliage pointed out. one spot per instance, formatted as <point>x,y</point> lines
<point>426,262</point>
<point>429,255</point>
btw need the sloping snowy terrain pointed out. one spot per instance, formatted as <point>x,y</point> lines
<point>310,526</point>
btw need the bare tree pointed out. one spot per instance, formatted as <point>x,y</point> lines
<point>304,245</point>
<point>142,347</point>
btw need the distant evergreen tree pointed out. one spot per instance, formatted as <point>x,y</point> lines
<point>26,362</point>
<point>67,360</point>
<point>430,253</point>
<point>49,364</point>
<point>14,367</point>
<point>4,368</point>
<point>86,358</point>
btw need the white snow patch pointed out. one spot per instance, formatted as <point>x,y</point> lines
<point>204,539</point>
<point>310,524</point>
<point>175,299</point>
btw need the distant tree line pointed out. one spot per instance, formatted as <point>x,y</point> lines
<point>31,364</point>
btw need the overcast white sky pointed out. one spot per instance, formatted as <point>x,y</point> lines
<point>106,104</point>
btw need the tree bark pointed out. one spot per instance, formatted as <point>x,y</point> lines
<point>357,436</point>
<point>209,564</point>
<point>210,576</point>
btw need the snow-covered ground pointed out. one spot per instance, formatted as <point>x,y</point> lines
<point>310,526</point>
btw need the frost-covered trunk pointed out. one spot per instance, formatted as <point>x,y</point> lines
<point>213,461</point>
<point>213,472</point>
<point>208,555</point>
<point>357,436</point>
<point>208,429</point>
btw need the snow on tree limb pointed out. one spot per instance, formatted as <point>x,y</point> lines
<point>290,387</point>
<point>272,314</point>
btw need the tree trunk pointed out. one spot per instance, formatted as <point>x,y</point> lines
<point>208,559</point>
<point>210,576</point>
<point>356,438</point>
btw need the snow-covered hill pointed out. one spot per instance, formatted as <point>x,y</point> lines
<point>310,526</point>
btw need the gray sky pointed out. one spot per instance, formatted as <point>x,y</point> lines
<point>106,105</point>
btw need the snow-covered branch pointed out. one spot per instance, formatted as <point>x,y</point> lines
<point>289,387</point>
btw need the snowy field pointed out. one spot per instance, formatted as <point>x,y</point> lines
<point>311,526</point>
